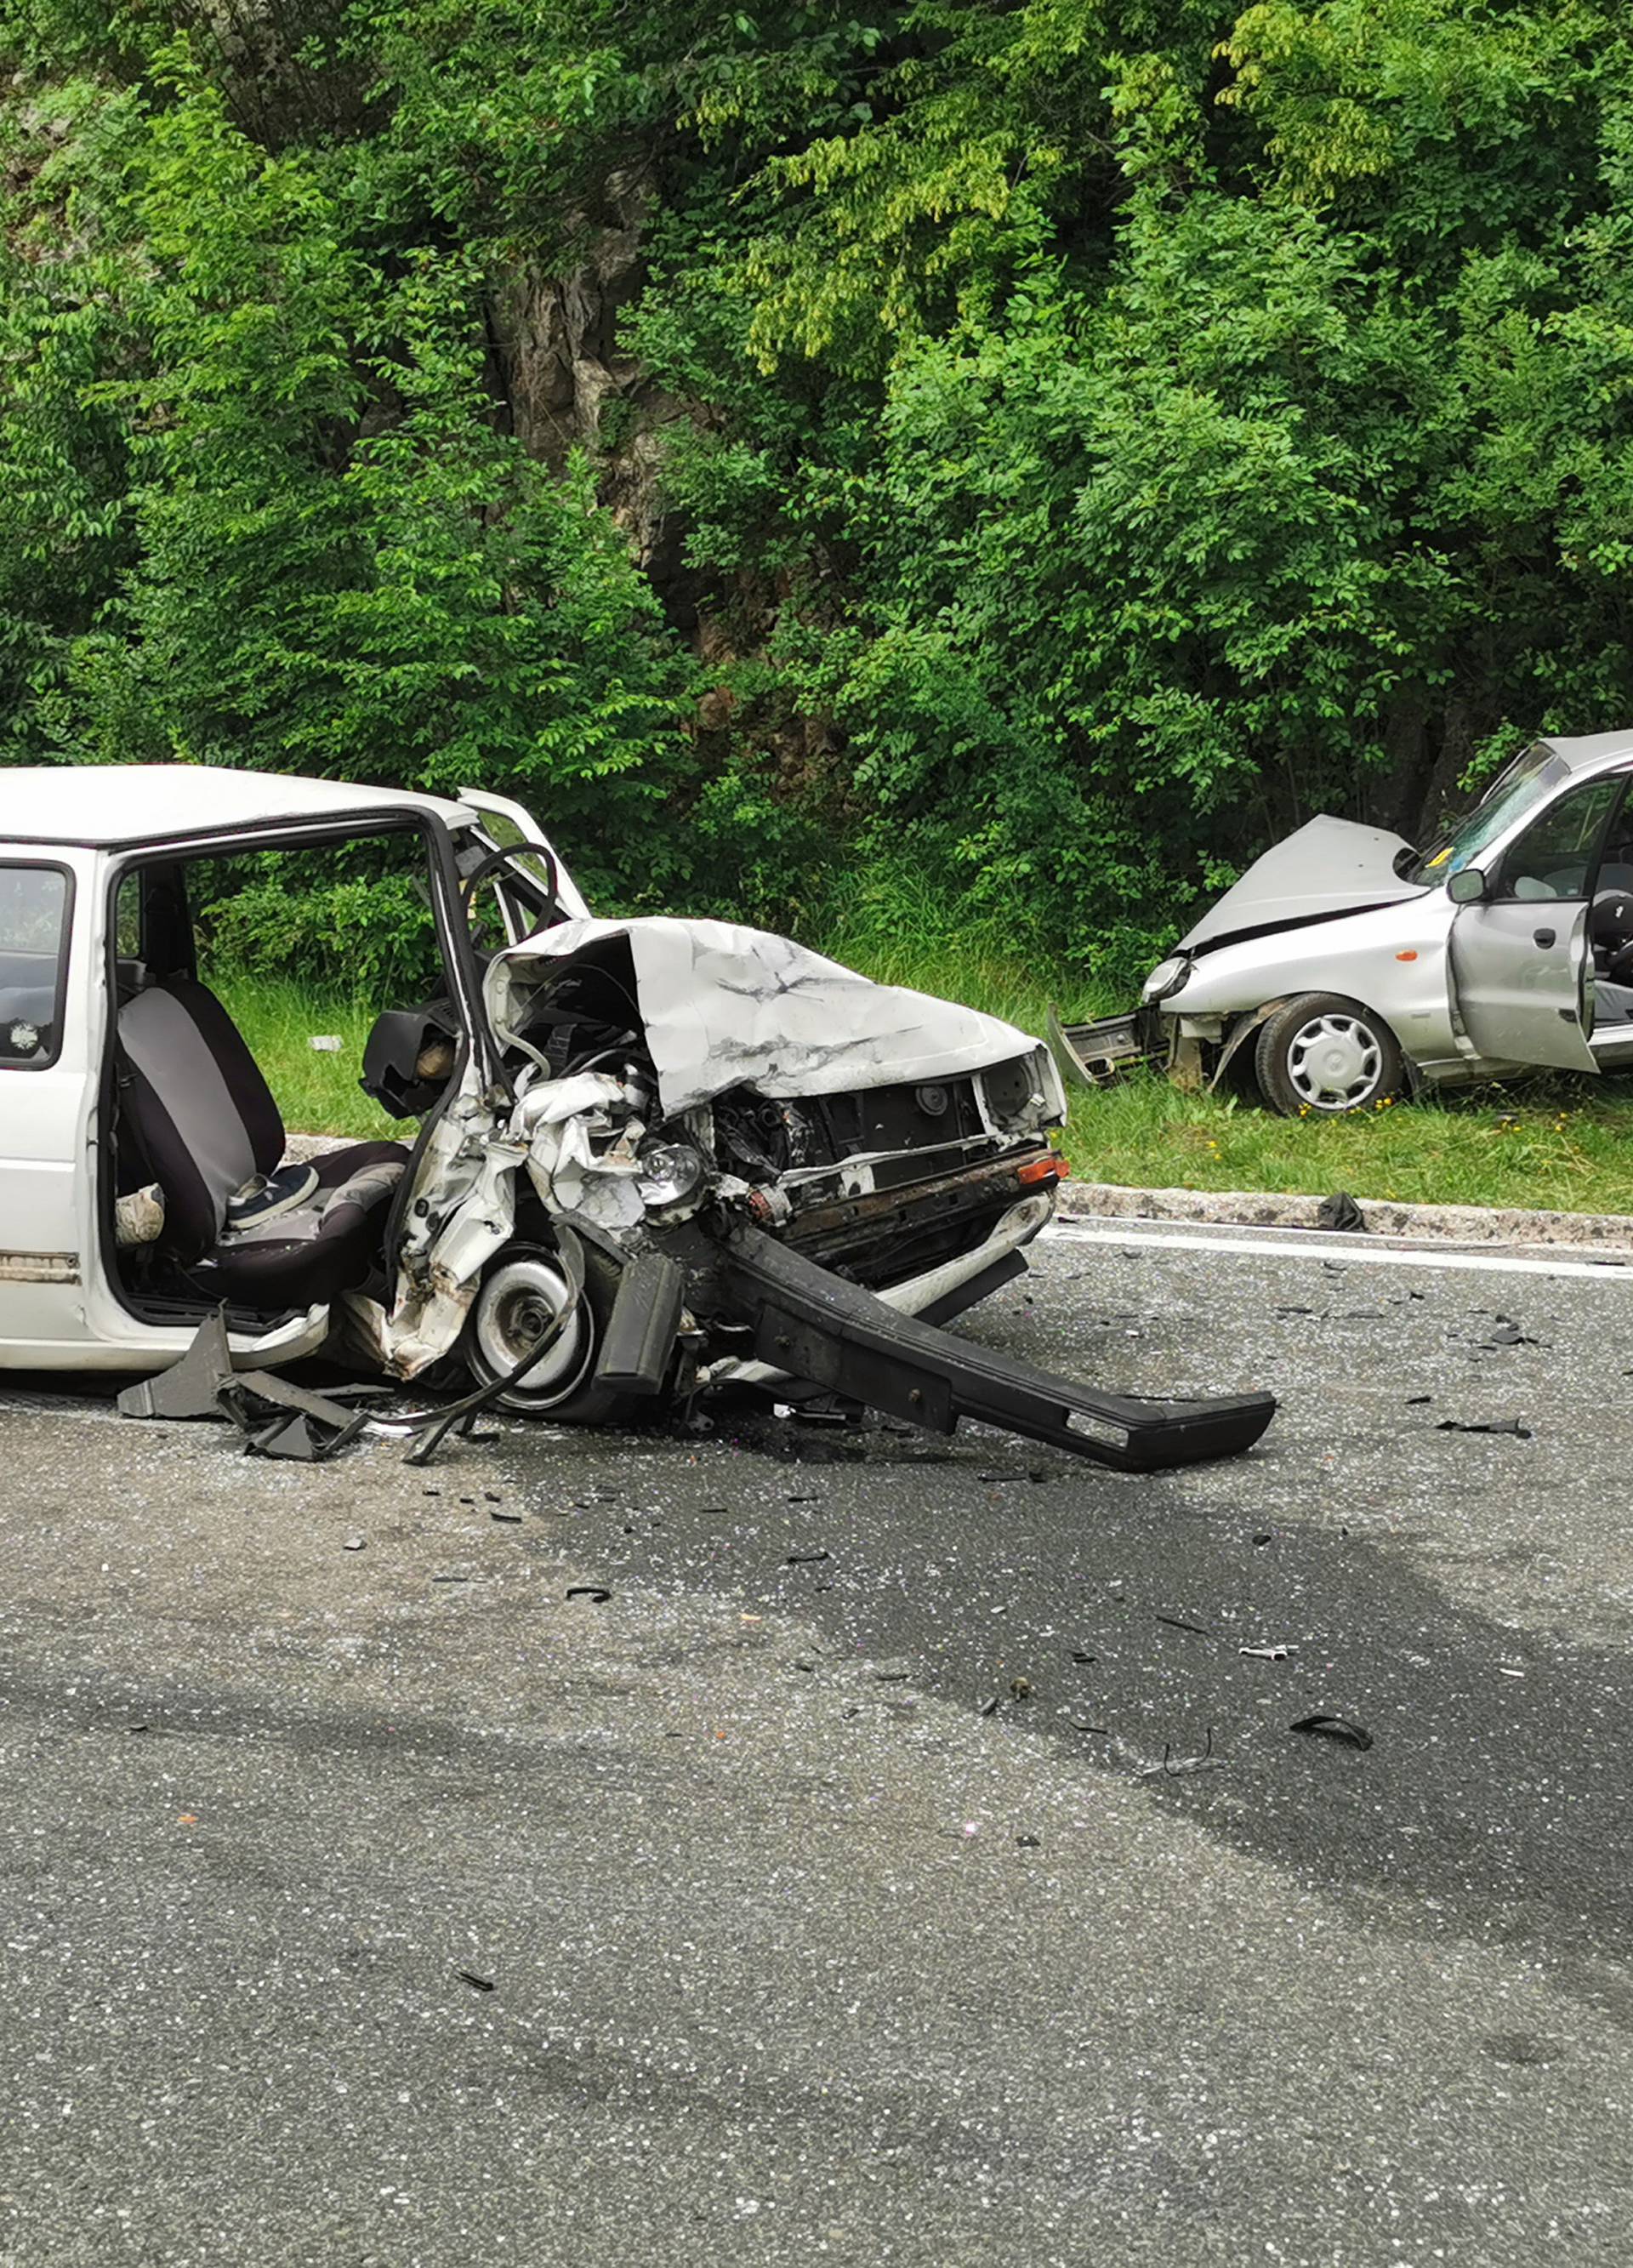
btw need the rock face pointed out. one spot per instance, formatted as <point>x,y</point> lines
<point>558,367</point>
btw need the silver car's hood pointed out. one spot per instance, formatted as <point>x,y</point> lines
<point>1329,866</point>
<point>722,1004</point>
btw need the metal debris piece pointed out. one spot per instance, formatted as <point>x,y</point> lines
<point>1173,1767</point>
<point>1334,1728</point>
<point>353,1544</point>
<point>1267,1652</point>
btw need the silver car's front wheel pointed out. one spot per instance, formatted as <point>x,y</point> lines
<point>1320,1052</point>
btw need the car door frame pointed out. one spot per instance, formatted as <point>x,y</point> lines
<point>1555,1028</point>
<point>110,1317</point>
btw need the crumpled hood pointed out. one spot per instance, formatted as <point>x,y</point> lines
<point>1329,866</point>
<point>723,1004</point>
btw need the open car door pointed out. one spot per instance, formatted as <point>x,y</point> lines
<point>1521,956</point>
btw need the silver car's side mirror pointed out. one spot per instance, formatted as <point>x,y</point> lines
<point>1466,886</point>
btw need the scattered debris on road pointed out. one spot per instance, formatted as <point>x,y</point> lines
<point>1334,1728</point>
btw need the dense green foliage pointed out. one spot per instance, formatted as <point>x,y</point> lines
<point>1020,455</point>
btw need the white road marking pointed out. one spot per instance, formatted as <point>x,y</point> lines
<point>1384,1255</point>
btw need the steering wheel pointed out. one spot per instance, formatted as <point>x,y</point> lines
<point>504,855</point>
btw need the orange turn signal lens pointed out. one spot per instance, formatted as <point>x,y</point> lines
<point>1406,956</point>
<point>1043,1170</point>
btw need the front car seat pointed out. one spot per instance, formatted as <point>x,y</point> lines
<point>193,1096</point>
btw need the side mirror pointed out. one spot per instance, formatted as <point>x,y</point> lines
<point>1466,886</point>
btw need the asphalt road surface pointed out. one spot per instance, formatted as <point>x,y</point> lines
<point>846,1885</point>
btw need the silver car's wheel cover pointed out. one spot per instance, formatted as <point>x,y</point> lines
<point>1335,1062</point>
<point>514,1306</point>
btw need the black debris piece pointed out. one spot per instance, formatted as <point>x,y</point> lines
<point>1082,1659</point>
<point>1341,1212</point>
<point>509,1519</point>
<point>594,1592</point>
<point>1263,1537</point>
<point>491,1497</point>
<point>1415,1401</point>
<point>1079,1726</point>
<point>1509,1335</point>
<point>294,1437</point>
<point>1484,1426</point>
<point>1334,1728</point>
<point>1173,1767</point>
<point>1178,1621</point>
<point>477,1983</point>
<point>1029,1842</point>
<point>988,1707</point>
<point>806,1559</point>
<point>451,1579</point>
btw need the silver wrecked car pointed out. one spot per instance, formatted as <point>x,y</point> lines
<point>1345,966</point>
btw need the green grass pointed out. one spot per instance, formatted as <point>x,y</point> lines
<point>1563,1145</point>
<point>317,1092</point>
<point>1558,1143</point>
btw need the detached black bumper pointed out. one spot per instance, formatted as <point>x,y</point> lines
<point>814,1324</point>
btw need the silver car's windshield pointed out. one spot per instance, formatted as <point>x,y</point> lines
<point>1528,780</point>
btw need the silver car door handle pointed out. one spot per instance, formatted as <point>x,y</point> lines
<point>1544,937</point>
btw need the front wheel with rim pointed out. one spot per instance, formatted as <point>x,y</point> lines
<point>523,1289</point>
<point>1322,1053</point>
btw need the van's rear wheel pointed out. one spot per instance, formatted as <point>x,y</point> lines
<point>1320,1054</point>
<point>522,1292</point>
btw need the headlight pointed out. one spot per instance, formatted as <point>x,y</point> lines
<point>1166,978</point>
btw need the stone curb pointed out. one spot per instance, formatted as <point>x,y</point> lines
<point>1503,1224</point>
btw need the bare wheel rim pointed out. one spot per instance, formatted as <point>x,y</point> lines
<point>1335,1062</point>
<point>522,1296</point>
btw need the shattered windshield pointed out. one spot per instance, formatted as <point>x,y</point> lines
<point>1527,782</point>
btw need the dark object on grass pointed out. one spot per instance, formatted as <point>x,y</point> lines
<point>1334,1728</point>
<point>1341,1212</point>
<point>1484,1426</point>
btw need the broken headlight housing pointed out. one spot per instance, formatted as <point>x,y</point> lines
<point>1165,979</point>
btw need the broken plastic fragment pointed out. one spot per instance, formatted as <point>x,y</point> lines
<point>1334,1728</point>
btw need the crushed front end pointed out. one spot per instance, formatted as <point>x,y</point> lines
<point>701,1131</point>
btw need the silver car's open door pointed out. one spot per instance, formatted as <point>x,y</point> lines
<point>1520,957</point>
<point>1518,967</point>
